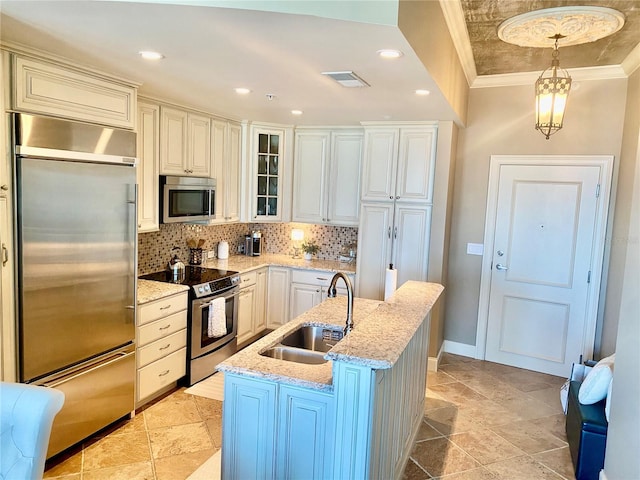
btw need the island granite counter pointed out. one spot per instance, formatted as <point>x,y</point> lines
<point>355,416</point>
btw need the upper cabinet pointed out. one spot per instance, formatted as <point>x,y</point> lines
<point>326,185</point>
<point>226,150</point>
<point>185,143</point>
<point>271,180</point>
<point>48,89</point>
<point>399,163</point>
<point>148,135</point>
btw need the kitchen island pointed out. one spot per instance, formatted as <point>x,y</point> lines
<point>355,416</point>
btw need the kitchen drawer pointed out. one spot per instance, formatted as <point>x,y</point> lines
<point>248,279</point>
<point>161,348</point>
<point>151,311</point>
<point>161,373</point>
<point>316,277</point>
<point>160,328</point>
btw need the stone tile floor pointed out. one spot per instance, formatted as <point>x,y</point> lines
<point>482,421</point>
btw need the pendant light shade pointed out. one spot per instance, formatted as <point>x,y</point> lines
<point>552,92</point>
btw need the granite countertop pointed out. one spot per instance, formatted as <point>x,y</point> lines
<point>148,290</point>
<point>381,333</point>
<point>243,263</point>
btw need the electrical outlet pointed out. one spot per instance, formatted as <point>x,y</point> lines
<point>211,254</point>
<point>241,248</point>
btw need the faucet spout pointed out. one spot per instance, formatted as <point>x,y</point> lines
<point>332,293</point>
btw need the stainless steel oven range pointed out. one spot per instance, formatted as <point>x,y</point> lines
<point>206,286</point>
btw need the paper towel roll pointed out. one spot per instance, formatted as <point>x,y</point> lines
<point>223,250</point>
<point>390,281</point>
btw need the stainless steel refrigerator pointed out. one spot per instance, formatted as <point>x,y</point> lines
<point>76,236</point>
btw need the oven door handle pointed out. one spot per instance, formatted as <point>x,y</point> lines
<point>226,297</point>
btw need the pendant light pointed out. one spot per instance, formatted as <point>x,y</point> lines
<point>552,91</point>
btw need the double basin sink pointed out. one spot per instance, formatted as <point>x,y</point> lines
<point>307,344</point>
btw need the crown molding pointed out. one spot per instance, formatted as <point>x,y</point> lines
<point>529,78</point>
<point>454,17</point>
<point>20,49</point>
<point>632,62</point>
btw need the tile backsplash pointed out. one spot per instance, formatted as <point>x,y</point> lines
<point>154,248</point>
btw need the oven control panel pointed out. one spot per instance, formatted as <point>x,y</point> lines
<point>215,287</point>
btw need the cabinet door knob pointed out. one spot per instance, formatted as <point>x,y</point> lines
<point>390,197</point>
<point>397,197</point>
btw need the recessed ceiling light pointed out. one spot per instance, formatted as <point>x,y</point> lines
<point>422,92</point>
<point>150,55</point>
<point>390,53</point>
<point>296,112</point>
<point>242,91</point>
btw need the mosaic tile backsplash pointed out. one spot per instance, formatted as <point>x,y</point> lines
<point>154,249</point>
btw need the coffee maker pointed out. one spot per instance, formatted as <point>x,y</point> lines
<point>253,243</point>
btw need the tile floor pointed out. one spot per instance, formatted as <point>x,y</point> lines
<point>482,421</point>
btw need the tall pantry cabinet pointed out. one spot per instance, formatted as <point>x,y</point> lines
<point>397,201</point>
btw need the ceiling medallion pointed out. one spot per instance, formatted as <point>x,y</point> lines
<point>577,25</point>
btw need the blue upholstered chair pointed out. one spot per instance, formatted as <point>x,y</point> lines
<point>26,416</point>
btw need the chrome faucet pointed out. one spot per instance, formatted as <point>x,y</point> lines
<point>332,293</point>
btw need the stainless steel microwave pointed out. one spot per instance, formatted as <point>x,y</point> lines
<point>187,199</point>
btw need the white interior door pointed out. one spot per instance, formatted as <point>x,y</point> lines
<point>542,264</point>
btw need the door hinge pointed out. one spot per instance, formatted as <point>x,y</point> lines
<point>589,277</point>
<point>598,191</point>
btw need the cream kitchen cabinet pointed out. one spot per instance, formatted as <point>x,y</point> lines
<point>246,306</point>
<point>185,143</point>
<point>326,185</point>
<point>8,370</point>
<point>226,152</point>
<point>148,166</point>
<point>278,300</point>
<point>399,163</point>
<point>309,288</point>
<point>392,233</point>
<point>251,305</point>
<point>61,91</point>
<point>270,177</point>
<point>161,339</point>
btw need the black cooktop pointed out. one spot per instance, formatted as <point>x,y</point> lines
<point>204,281</point>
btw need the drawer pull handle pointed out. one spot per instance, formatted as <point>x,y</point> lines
<point>165,347</point>
<point>165,327</point>
<point>322,279</point>
<point>165,307</point>
<point>166,372</point>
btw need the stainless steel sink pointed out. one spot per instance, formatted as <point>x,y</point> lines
<point>307,344</point>
<point>293,354</point>
<point>320,339</point>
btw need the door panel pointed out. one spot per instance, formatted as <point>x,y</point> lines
<point>542,257</point>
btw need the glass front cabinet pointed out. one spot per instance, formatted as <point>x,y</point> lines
<point>269,166</point>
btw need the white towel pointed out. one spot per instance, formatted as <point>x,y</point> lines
<point>217,325</point>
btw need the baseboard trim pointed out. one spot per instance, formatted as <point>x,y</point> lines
<point>460,349</point>
<point>602,476</point>
<point>434,362</point>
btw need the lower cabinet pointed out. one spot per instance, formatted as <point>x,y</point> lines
<point>278,302</point>
<point>264,420</point>
<point>252,304</point>
<point>310,287</point>
<point>305,433</point>
<point>161,339</point>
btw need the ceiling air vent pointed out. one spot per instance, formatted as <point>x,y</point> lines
<point>347,79</point>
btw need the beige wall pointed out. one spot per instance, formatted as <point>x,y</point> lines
<point>425,28</point>
<point>501,121</point>
<point>622,303</point>
<point>441,228</point>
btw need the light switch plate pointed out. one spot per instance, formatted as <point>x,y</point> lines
<point>475,249</point>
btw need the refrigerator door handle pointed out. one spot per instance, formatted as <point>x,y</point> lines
<point>87,370</point>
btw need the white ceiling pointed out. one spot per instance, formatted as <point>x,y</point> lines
<point>210,50</point>
<point>280,47</point>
